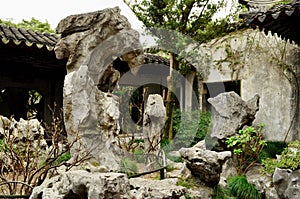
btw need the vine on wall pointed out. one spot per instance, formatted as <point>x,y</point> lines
<point>283,56</point>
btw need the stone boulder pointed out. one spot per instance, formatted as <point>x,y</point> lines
<point>205,164</point>
<point>91,42</point>
<point>159,189</point>
<point>154,121</point>
<point>228,170</point>
<point>229,114</point>
<point>82,184</point>
<point>92,115</point>
<point>287,183</point>
<point>262,182</point>
<point>18,131</point>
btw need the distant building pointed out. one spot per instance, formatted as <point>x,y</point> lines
<point>29,67</point>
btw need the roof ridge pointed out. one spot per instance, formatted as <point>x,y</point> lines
<point>28,36</point>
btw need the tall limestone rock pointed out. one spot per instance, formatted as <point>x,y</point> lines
<point>91,42</point>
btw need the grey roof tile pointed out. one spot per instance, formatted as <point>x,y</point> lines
<point>19,35</point>
<point>282,19</point>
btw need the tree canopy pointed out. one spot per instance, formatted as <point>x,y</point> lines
<point>33,24</point>
<point>189,17</point>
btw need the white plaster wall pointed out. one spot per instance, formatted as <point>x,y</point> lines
<point>259,73</point>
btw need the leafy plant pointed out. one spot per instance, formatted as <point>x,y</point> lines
<point>271,149</point>
<point>26,157</point>
<point>246,147</point>
<point>270,165</point>
<point>63,158</point>
<point>139,155</point>
<point>128,166</point>
<point>220,193</point>
<point>188,196</point>
<point>190,128</point>
<point>289,159</point>
<point>174,158</point>
<point>187,183</point>
<point>242,189</point>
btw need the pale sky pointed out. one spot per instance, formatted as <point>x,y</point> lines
<point>55,10</point>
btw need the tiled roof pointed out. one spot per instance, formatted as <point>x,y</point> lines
<point>29,37</point>
<point>151,58</point>
<point>283,19</point>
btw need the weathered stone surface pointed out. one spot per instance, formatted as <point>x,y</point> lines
<point>230,114</point>
<point>82,184</point>
<point>271,193</point>
<point>92,114</point>
<point>107,29</point>
<point>263,183</point>
<point>4,122</point>
<point>205,164</point>
<point>201,192</point>
<point>228,170</point>
<point>18,131</point>
<point>287,183</point>
<point>91,42</point>
<point>154,121</point>
<point>159,189</point>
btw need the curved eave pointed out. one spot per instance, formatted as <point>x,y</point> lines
<point>5,40</point>
<point>282,20</point>
<point>29,37</point>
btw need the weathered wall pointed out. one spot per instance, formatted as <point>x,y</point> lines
<point>261,63</point>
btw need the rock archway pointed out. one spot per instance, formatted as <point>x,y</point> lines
<point>91,42</point>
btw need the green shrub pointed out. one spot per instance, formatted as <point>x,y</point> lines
<point>246,147</point>
<point>139,155</point>
<point>128,166</point>
<point>240,188</point>
<point>220,193</point>
<point>188,196</point>
<point>3,146</point>
<point>289,159</point>
<point>270,165</point>
<point>190,128</point>
<point>63,158</point>
<point>187,183</point>
<point>174,158</point>
<point>271,149</point>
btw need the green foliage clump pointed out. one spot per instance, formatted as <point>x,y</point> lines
<point>188,196</point>
<point>32,24</point>
<point>220,193</point>
<point>139,155</point>
<point>270,165</point>
<point>187,183</point>
<point>246,147</point>
<point>3,146</point>
<point>128,166</point>
<point>289,159</point>
<point>271,149</point>
<point>240,188</point>
<point>63,158</point>
<point>190,128</point>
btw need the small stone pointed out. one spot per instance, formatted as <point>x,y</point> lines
<point>205,164</point>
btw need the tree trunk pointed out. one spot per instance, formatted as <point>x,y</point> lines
<point>169,103</point>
